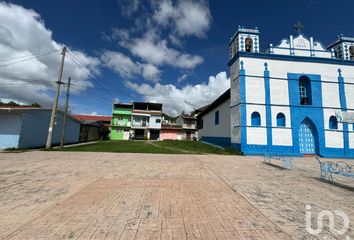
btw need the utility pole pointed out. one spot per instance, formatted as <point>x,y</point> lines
<point>55,103</point>
<point>65,113</point>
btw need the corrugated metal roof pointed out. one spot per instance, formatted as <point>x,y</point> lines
<point>92,118</point>
<point>29,109</point>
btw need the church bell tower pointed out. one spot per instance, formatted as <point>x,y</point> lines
<point>343,48</point>
<point>244,40</point>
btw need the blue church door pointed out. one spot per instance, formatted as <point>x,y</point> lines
<point>307,140</point>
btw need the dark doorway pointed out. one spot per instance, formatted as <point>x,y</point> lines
<point>139,134</point>
<point>154,134</point>
<point>188,135</point>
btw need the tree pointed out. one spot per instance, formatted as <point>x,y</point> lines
<point>36,105</point>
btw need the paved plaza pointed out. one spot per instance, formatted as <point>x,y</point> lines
<point>65,195</point>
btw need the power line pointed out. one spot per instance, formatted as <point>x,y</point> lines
<point>97,97</point>
<point>76,61</point>
<point>27,59</point>
<point>29,55</point>
<point>152,96</point>
<point>24,84</point>
<point>146,95</point>
<point>102,87</point>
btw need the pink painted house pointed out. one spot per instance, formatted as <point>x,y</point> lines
<point>171,132</point>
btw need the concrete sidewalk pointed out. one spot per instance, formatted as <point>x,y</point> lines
<point>66,195</point>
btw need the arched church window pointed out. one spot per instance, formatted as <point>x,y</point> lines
<point>305,91</point>
<point>249,44</point>
<point>333,123</point>
<point>255,119</point>
<point>280,120</point>
<point>351,50</point>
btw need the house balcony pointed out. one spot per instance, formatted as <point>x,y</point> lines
<point>121,124</point>
<point>140,124</point>
<point>189,126</point>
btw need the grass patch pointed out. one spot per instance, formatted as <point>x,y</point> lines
<point>195,147</point>
<point>16,150</point>
<point>166,147</point>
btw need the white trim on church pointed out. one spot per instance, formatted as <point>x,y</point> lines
<point>285,100</point>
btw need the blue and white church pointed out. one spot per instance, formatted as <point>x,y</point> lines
<point>295,98</point>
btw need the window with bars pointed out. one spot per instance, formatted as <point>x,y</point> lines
<point>305,91</point>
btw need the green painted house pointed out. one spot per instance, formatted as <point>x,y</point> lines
<point>121,121</point>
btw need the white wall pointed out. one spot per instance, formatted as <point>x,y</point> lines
<point>351,139</point>
<point>280,109</point>
<point>280,96</point>
<point>334,139</point>
<point>301,46</point>
<point>223,128</point>
<point>255,92</point>
<point>282,136</point>
<point>279,93</point>
<point>331,91</point>
<point>256,135</point>
<point>153,123</point>
<point>261,109</point>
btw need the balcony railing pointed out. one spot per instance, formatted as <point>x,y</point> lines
<point>140,124</point>
<point>121,124</point>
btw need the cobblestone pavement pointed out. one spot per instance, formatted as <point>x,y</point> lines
<point>64,195</point>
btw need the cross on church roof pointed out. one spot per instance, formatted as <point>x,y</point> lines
<point>298,26</point>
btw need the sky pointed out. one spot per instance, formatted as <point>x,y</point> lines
<point>172,52</point>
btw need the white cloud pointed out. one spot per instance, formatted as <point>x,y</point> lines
<point>186,17</point>
<point>23,35</point>
<point>7,100</point>
<point>90,114</point>
<point>165,13</point>
<point>150,72</point>
<point>129,7</point>
<point>161,25</point>
<point>155,51</point>
<point>126,68</point>
<point>182,77</point>
<point>122,35</point>
<point>120,63</point>
<point>175,100</point>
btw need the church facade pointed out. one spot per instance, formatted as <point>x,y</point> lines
<point>295,98</point>
<point>287,99</point>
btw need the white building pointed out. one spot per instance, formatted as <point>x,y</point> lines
<point>188,122</point>
<point>146,120</point>
<point>214,122</point>
<point>287,99</point>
